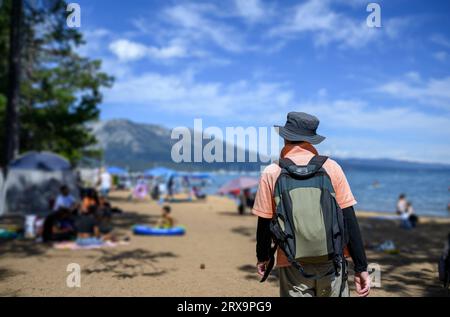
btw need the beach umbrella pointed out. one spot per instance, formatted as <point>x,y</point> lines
<point>238,184</point>
<point>159,172</point>
<point>114,170</point>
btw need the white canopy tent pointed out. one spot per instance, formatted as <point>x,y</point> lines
<point>32,181</point>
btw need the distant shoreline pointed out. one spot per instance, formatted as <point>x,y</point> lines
<point>374,214</point>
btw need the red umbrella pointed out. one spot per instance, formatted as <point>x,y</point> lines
<point>238,184</point>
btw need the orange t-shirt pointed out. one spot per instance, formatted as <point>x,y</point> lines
<point>87,202</point>
<point>264,205</point>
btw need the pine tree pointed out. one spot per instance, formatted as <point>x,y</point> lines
<point>59,90</point>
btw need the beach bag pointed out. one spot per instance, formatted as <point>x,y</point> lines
<point>308,224</point>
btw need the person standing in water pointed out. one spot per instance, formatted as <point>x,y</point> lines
<point>402,204</point>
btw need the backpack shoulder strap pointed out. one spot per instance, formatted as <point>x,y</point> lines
<point>285,163</point>
<point>317,162</point>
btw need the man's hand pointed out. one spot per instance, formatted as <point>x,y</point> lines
<point>362,283</point>
<point>261,267</point>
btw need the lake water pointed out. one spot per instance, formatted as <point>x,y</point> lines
<point>428,190</point>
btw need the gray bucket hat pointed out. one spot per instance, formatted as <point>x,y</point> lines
<point>300,126</point>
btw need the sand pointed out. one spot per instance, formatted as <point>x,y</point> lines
<point>215,258</point>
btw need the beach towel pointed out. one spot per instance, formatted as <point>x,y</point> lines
<point>72,245</point>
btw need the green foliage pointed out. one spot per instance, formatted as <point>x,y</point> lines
<point>60,90</point>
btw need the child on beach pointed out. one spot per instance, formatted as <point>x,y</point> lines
<point>166,221</point>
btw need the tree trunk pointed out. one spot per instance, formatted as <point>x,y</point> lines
<point>13,94</point>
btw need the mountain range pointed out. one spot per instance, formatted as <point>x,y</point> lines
<point>138,146</point>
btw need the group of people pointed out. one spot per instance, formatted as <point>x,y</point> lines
<point>87,221</point>
<point>406,212</point>
<point>166,191</point>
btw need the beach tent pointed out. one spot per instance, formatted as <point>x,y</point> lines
<point>238,184</point>
<point>43,161</point>
<point>33,180</point>
<point>118,171</point>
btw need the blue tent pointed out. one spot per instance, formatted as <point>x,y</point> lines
<point>43,161</point>
<point>115,170</point>
<point>160,172</point>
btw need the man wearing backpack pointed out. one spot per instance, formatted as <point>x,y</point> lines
<point>305,206</point>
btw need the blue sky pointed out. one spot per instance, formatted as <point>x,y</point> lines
<point>379,92</point>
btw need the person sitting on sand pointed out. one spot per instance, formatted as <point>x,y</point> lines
<point>90,200</point>
<point>103,219</point>
<point>88,232</point>
<point>65,199</point>
<point>166,221</point>
<point>198,194</point>
<point>401,204</point>
<point>58,226</point>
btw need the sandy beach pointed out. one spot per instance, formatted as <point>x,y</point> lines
<point>216,257</point>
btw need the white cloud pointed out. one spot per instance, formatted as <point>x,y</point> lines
<point>253,10</point>
<point>195,23</point>
<point>441,56</point>
<point>94,39</point>
<point>173,51</point>
<point>259,103</point>
<point>364,130</point>
<point>440,40</point>
<point>182,94</point>
<point>264,102</point>
<point>433,92</point>
<point>127,50</point>
<point>359,115</point>
<point>413,76</point>
<point>373,147</point>
<point>317,18</point>
<point>322,93</point>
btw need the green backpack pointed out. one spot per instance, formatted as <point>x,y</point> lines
<point>308,224</point>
